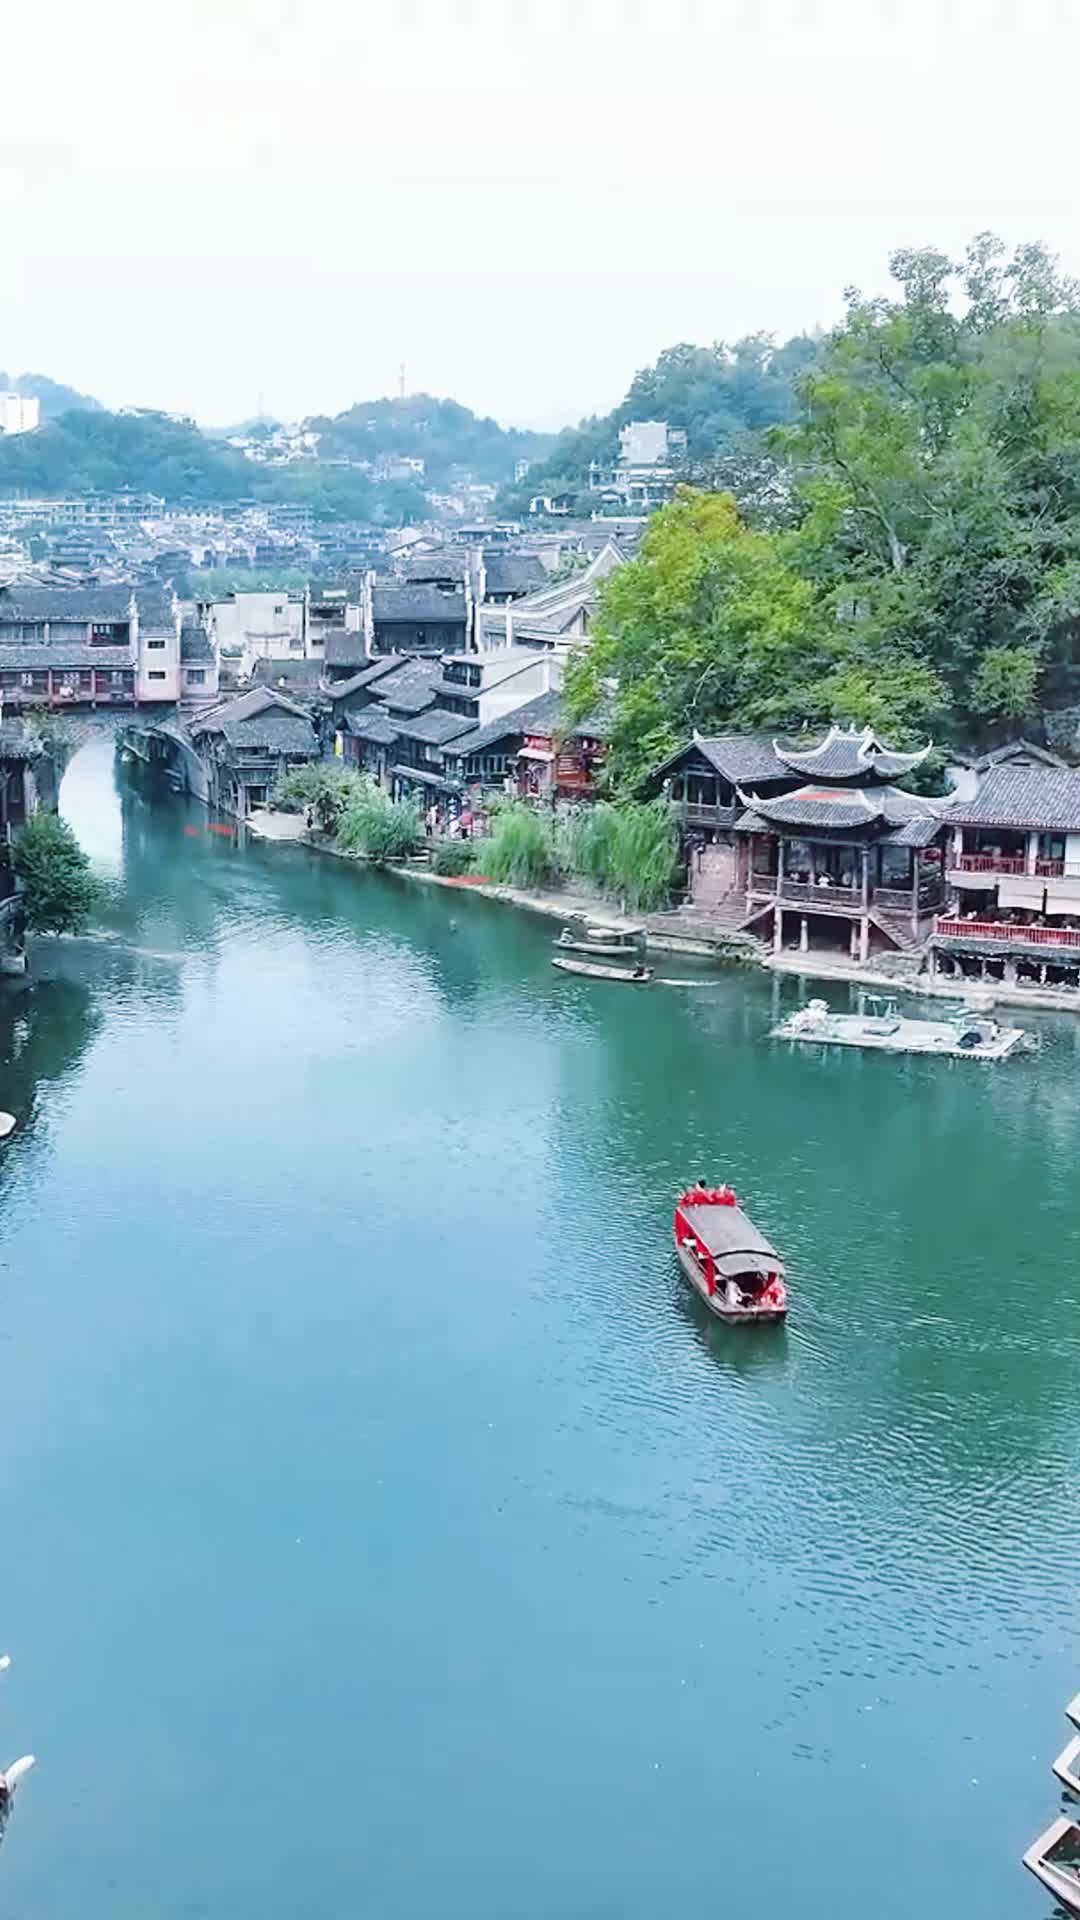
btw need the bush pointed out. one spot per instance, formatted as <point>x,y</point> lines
<point>644,853</point>
<point>453,857</point>
<point>59,891</point>
<point>323,787</point>
<point>629,850</point>
<point>521,850</point>
<point>382,828</point>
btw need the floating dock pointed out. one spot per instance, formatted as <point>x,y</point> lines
<point>964,1037</point>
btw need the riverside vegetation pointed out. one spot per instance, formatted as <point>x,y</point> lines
<point>627,851</point>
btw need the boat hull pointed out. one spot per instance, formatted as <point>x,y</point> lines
<point>638,977</point>
<point>1064,1886</point>
<point>735,1316</point>
<point>605,950</point>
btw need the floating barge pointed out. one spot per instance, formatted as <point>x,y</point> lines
<point>734,1269</point>
<point>1053,1859</point>
<point>967,1035</point>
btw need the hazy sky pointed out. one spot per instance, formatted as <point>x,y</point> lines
<point>523,200</point>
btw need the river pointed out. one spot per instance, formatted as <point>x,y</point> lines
<point>384,1530</point>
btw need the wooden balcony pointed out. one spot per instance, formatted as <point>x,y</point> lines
<point>1005,934</point>
<point>989,863</point>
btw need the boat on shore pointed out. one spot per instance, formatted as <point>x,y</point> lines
<point>630,976</point>
<point>728,1262</point>
<point>1054,1858</point>
<point>968,1034</point>
<point>611,943</point>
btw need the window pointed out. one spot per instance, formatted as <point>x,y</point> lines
<point>196,676</point>
<point>156,676</point>
<point>295,643</point>
<point>155,646</point>
<point>279,609</point>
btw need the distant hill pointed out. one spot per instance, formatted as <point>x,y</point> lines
<point>719,396</point>
<point>442,433</point>
<point>55,398</point>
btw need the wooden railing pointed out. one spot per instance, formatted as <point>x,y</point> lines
<point>1050,869</point>
<point>989,863</point>
<point>1005,934</point>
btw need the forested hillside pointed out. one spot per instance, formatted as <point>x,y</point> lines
<point>921,565</point>
<point>443,434</point>
<point>718,396</point>
<point>55,398</point>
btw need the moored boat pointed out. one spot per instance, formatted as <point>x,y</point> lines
<point>611,943</point>
<point>630,976</point>
<point>736,1271</point>
<point>1053,1859</point>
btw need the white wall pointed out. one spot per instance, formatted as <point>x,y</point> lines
<point>18,414</point>
<point>264,626</point>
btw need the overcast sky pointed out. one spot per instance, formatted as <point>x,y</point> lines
<point>523,200</point>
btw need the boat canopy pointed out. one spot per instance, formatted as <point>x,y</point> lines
<point>733,1241</point>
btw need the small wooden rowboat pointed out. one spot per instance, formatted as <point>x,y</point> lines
<point>736,1271</point>
<point>630,976</point>
<point>613,943</point>
<point>1067,1766</point>
<point>1057,1874</point>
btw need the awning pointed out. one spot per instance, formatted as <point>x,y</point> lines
<point>422,778</point>
<point>535,753</point>
<point>1021,890</point>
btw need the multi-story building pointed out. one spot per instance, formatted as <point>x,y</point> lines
<point>89,646</point>
<point>1013,874</point>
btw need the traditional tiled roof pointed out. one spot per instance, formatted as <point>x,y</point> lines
<point>1043,798</point>
<point>513,572</point>
<point>300,677</point>
<point>1018,753</point>
<point>157,610</point>
<point>743,759</point>
<point>849,753</point>
<point>412,687</point>
<point>261,717</point>
<point>345,648</point>
<point>277,732</point>
<point>436,727</point>
<point>372,724</point>
<point>195,644</point>
<point>882,811</point>
<point>544,715</point>
<point>376,671</point>
<point>65,603</point>
<point>446,563</point>
<point>22,656</point>
<point>421,602</point>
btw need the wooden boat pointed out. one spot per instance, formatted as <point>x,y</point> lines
<point>630,976</point>
<point>1059,1876</point>
<point>737,1272</point>
<point>1067,1766</point>
<point>11,1776</point>
<point>1072,1711</point>
<point>607,942</point>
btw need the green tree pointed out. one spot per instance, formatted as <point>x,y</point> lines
<point>59,891</point>
<point>324,789</point>
<point>948,422</point>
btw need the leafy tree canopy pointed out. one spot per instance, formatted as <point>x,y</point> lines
<point>59,891</point>
<point>911,556</point>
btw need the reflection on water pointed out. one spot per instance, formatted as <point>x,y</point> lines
<point>359,1428</point>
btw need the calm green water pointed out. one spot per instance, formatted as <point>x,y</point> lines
<point>384,1530</point>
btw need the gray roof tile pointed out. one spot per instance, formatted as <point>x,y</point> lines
<point>1047,798</point>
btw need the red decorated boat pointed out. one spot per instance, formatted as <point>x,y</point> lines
<point>737,1272</point>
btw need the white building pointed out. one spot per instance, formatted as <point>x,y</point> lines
<point>19,413</point>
